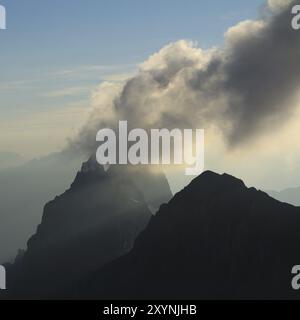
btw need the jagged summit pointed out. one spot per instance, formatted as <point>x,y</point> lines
<point>95,221</point>
<point>90,171</point>
<point>210,179</point>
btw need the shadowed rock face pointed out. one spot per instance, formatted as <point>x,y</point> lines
<point>92,223</point>
<point>149,180</point>
<point>214,239</point>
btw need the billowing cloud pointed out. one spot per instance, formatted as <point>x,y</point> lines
<point>243,89</point>
<point>278,4</point>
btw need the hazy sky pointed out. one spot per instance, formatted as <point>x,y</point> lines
<point>54,53</point>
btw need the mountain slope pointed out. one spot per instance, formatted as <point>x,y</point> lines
<point>214,239</point>
<point>92,223</point>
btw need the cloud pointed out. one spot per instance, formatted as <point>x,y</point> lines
<point>278,4</point>
<point>243,89</point>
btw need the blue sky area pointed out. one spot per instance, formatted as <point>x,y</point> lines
<point>53,52</point>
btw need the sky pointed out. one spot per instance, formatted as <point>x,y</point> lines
<point>55,53</point>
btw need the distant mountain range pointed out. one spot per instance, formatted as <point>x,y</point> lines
<point>291,195</point>
<point>24,190</point>
<point>10,159</point>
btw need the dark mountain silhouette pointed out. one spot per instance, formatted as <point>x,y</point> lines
<point>92,223</point>
<point>214,239</point>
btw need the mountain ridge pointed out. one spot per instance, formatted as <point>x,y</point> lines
<point>215,239</point>
<point>91,223</point>
<point>229,242</point>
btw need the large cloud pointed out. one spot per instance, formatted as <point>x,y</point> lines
<point>278,4</point>
<point>243,89</point>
